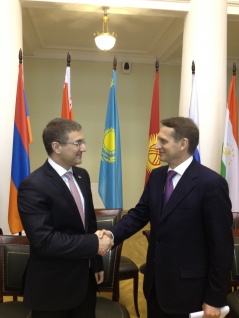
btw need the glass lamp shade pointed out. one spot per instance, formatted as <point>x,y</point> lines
<point>105,41</point>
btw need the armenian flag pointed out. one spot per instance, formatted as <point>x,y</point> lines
<point>22,137</point>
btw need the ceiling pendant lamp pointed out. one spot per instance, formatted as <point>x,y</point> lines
<point>105,41</point>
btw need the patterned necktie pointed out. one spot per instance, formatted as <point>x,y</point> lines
<point>76,195</point>
<point>168,186</point>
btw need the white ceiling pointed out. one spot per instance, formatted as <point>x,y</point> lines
<point>145,29</point>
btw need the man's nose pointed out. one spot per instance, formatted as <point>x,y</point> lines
<point>157,146</point>
<point>83,147</point>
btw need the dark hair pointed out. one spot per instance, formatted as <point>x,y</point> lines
<point>58,130</point>
<point>184,128</point>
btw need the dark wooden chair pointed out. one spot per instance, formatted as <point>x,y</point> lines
<point>233,282</point>
<point>147,234</point>
<point>105,220</point>
<point>129,270</point>
<point>142,267</point>
<point>13,260</point>
<point>14,256</point>
<point>235,224</point>
<point>127,267</point>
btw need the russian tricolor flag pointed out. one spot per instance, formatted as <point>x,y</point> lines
<point>22,137</point>
<point>193,110</point>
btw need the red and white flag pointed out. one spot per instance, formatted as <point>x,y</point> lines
<point>66,111</point>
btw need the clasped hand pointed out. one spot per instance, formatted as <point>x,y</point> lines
<point>105,242</point>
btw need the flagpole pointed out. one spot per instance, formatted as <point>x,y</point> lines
<point>193,68</point>
<point>194,110</point>
<point>68,59</point>
<point>20,62</point>
<point>234,73</point>
<point>22,137</point>
<point>114,63</point>
<point>156,65</point>
<point>110,176</point>
<point>66,107</point>
<point>234,69</point>
<point>20,56</point>
<point>230,152</point>
<point>153,158</point>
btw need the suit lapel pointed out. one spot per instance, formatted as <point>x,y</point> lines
<point>183,188</point>
<point>161,186</point>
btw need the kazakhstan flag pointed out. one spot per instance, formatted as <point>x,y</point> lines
<point>110,178</point>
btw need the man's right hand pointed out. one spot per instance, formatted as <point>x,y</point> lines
<point>105,243</point>
<point>105,232</point>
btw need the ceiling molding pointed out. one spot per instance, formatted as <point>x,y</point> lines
<point>233,3</point>
<point>98,56</point>
<point>233,7</point>
<point>146,29</point>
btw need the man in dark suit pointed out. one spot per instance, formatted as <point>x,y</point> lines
<point>191,245</point>
<point>65,265</point>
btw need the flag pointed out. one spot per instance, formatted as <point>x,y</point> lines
<point>110,177</point>
<point>193,112</point>
<point>230,156</point>
<point>153,159</point>
<point>22,137</point>
<point>66,110</point>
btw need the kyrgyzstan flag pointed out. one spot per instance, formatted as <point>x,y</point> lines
<point>153,160</point>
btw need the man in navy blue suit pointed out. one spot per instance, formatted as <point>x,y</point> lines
<point>190,249</point>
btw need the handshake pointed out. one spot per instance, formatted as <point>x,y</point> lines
<point>105,241</point>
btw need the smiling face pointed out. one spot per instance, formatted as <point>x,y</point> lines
<point>172,151</point>
<point>69,154</point>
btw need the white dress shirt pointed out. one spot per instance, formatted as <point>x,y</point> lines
<point>180,170</point>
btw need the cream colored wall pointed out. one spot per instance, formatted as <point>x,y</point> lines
<point>89,89</point>
<point>11,41</point>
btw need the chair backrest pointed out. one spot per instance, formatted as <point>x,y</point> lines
<point>106,218</point>
<point>235,224</point>
<point>106,212</point>
<point>147,234</point>
<point>15,250</point>
<point>14,254</point>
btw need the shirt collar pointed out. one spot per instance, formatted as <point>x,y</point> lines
<point>180,169</point>
<point>59,169</point>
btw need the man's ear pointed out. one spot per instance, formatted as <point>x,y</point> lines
<point>56,147</point>
<point>184,144</point>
